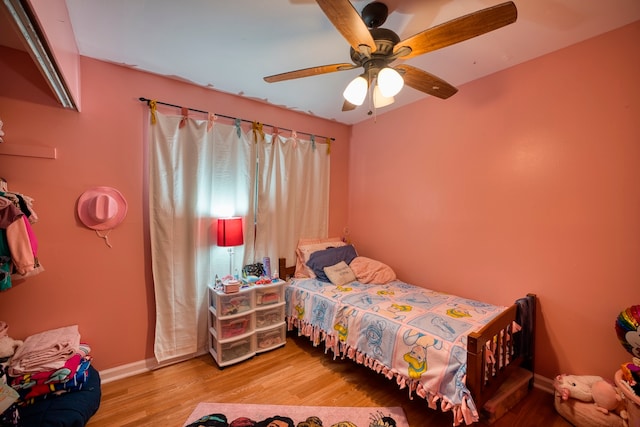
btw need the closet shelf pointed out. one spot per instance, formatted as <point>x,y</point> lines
<point>9,149</point>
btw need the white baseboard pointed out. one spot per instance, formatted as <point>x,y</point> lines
<point>140,367</point>
<point>124,371</point>
<point>543,383</point>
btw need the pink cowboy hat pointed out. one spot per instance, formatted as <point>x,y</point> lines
<point>102,208</point>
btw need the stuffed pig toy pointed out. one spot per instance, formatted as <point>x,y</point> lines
<point>576,386</point>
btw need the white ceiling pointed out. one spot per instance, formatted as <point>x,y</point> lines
<point>230,45</point>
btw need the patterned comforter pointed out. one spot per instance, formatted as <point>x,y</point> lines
<point>413,334</point>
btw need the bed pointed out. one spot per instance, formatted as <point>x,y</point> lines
<point>451,351</point>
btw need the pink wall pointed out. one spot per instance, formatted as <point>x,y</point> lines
<point>107,292</point>
<point>525,181</point>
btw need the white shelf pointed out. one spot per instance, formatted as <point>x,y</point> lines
<point>9,149</point>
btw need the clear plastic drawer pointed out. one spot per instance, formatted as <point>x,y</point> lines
<point>234,303</point>
<point>233,350</point>
<point>270,316</point>
<point>270,338</point>
<point>235,326</point>
<point>269,294</point>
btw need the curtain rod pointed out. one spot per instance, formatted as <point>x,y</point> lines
<point>233,118</point>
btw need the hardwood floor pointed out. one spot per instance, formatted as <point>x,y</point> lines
<point>298,373</point>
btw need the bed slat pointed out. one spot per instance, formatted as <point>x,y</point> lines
<point>483,378</point>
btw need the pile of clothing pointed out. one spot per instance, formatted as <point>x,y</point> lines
<point>48,364</point>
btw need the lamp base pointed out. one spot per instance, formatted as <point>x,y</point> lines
<point>230,261</point>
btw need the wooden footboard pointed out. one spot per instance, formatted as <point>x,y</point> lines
<point>496,350</point>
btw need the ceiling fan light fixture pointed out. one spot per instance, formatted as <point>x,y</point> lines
<point>356,91</point>
<point>379,100</point>
<point>390,82</point>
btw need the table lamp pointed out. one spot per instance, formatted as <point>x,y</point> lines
<point>230,235</point>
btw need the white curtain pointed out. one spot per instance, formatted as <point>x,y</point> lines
<point>199,173</point>
<point>196,176</point>
<point>293,196</point>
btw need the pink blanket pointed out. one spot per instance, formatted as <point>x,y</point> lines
<point>45,351</point>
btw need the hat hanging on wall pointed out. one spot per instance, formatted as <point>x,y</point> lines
<point>102,209</point>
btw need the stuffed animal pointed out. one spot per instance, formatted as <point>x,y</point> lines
<point>8,347</point>
<point>589,401</point>
<point>576,386</point>
<point>607,399</point>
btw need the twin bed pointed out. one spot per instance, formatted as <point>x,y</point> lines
<point>452,351</point>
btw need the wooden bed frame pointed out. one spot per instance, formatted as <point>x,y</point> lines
<point>483,380</point>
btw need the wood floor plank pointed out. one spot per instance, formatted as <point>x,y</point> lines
<point>296,374</point>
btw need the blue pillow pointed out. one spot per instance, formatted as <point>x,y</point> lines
<point>328,257</point>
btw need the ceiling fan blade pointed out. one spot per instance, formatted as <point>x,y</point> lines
<point>348,22</point>
<point>347,106</point>
<point>425,82</point>
<point>307,72</point>
<point>458,30</point>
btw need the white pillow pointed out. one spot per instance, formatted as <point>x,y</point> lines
<point>340,274</point>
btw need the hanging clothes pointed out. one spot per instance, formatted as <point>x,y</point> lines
<point>9,214</point>
<point>18,242</point>
<point>22,202</point>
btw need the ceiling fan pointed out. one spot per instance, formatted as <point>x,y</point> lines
<point>375,48</point>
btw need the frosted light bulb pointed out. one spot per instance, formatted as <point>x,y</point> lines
<point>390,82</point>
<point>379,100</point>
<point>356,91</point>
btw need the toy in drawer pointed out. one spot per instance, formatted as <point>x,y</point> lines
<point>235,303</point>
<point>235,326</point>
<point>269,295</point>
<point>270,316</point>
<point>270,338</point>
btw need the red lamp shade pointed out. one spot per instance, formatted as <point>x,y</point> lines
<point>230,231</point>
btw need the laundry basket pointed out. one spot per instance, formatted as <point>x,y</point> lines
<point>633,400</point>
